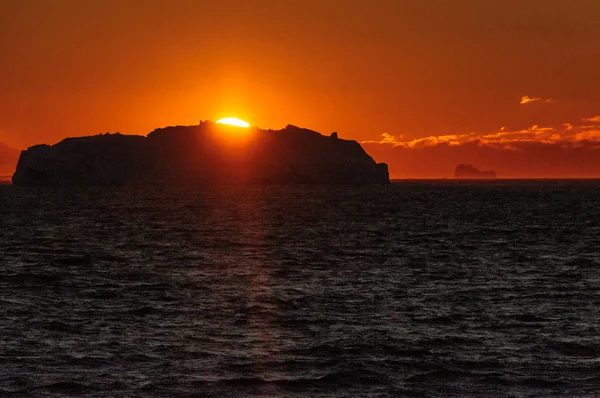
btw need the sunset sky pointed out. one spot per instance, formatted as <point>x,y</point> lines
<point>510,85</point>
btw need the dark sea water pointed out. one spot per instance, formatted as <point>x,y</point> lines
<point>432,289</point>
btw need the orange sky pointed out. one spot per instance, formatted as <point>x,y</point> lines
<point>405,68</point>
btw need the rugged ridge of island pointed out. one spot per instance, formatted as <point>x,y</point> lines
<point>466,171</point>
<point>207,153</point>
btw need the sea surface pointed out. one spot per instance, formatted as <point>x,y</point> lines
<point>417,289</point>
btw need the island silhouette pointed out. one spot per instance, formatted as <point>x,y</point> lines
<point>466,171</point>
<point>206,153</point>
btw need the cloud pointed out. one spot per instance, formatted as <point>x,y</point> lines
<point>566,150</point>
<point>433,140</point>
<point>386,138</point>
<point>589,135</point>
<point>527,100</point>
<point>564,134</point>
<point>595,119</point>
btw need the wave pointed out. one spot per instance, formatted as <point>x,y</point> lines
<point>59,387</point>
<point>361,377</point>
<point>575,349</point>
<point>62,327</point>
<point>145,311</point>
<point>84,259</point>
<point>439,320</point>
<point>31,279</point>
<point>437,375</point>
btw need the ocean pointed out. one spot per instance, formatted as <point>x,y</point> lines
<point>416,289</point>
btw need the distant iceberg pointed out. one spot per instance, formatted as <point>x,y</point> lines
<point>466,171</point>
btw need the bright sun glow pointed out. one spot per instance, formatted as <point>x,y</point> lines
<point>232,121</point>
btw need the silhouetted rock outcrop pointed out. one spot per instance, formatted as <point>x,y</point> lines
<point>464,171</point>
<point>207,153</point>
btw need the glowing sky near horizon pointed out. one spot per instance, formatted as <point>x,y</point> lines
<point>410,69</point>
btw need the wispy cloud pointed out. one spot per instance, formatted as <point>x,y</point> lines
<point>386,138</point>
<point>595,119</point>
<point>527,100</point>
<point>565,150</point>
<point>566,134</point>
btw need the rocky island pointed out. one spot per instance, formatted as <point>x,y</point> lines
<point>466,171</point>
<point>206,153</point>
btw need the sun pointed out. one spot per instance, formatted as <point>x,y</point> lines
<point>233,121</point>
